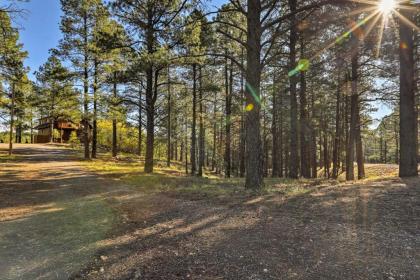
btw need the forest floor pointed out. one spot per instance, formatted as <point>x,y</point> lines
<point>62,218</point>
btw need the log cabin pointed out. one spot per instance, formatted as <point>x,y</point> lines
<point>60,132</point>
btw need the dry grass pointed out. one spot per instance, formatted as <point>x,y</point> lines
<point>174,181</point>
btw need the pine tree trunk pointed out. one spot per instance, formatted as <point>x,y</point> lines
<point>220,167</point>
<point>213,158</point>
<point>12,116</point>
<point>32,129</point>
<point>254,172</point>
<point>336,147</point>
<point>305,133</point>
<point>396,138</point>
<point>151,93</point>
<point>346,113</point>
<point>265,148</point>
<point>286,159</point>
<point>408,115</point>
<point>275,132</point>
<point>181,151</point>
<point>139,141</point>
<point>186,148</point>
<point>381,148</point>
<point>95,110</point>
<point>242,131</point>
<point>228,99</point>
<point>169,128</point>
<point>114,120</point>
<point>150,125</point>
<point>86,124</point>
<point>281,136</point>
<point>325,150</point>
<point>51,129</point>
<point>385,152</point>
<point>19,130</point>
<point>314,166</point>
<point>194,123</point>
<point>201,132</point>
<point>353,118</point>
<point>294,158</point>
<point>359,144</point>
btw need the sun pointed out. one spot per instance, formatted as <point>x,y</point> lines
<point>386,6</point>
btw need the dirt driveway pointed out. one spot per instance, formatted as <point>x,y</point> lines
<point>52,213</point>
<point>57,219</point>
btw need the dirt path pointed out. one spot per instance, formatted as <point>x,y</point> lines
<point>52,213</point>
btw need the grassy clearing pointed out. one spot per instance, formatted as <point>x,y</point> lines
<point>372,172</point>
<point>173,180</point>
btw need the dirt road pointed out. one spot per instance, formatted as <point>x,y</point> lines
<point>52,213</point>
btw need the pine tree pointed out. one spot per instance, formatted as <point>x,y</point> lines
<point>78,25</point>
<point>149,22</point>
<point>56,97</point>
<point>12,71</point>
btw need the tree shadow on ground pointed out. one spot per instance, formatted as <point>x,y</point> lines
<point>367,231</point>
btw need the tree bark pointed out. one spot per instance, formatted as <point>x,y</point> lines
<point>169,128</point>
<point>19,131</point>
<point>305,134</point>
<point>337,135</point>
<point>254,164</point>
<point>86,125</point>
<point>201,131</point>
<point>397,142</point>
<point>228,111</point>
<point>325,149</point>
<point>51,129</point>
<point>139,142</point>
<point>242,132</point>
<point>114,120</point>
<point>408,115</point>
<point>354,100</point>
<point>32,128</point>
<point>346,114</point>
<point>294,158</point>
<point>151,92</point>
<point>12,116</point>
<point>275,132</point>
<point>150,125</point>
<point>95,110</point>
<point>186,148</point>
<point>314,165</point>
<point>213,158</point>
<point>193,157</point>
<point>359,145</point>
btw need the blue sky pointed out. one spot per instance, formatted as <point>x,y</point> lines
<point>40,32</point>
<point>40,29</point>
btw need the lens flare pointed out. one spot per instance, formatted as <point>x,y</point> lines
<point>386,6</point>
<point>249,107</point>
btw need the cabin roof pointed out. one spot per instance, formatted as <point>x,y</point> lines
<point>58,124</point>
<point>61,124</point>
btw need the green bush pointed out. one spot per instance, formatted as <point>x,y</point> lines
<point>74,140</point>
